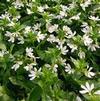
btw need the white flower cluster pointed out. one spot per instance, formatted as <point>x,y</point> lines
<point>53,38</point>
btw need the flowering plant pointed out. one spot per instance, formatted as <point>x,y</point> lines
<point>49,50</point>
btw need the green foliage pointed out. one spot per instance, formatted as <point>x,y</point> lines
<point>49,50</point>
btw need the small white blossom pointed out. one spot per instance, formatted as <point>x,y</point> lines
<point>34,73</point>
<point>78,98</point>
<point>48,66</point>
<point>8,0</point>
<point>89,73</point>
<point>40,36</point>
<point>37,26</point>
<point>69,33</point>
<point>71,6</point>
<point>93,47</point>
<point>29,11</point>
<point>33,0</point>
<point>87,88</point>
<point>81,54</point>
<point>5,16</point>
<point>63,49</point>
<point>61,15</point>
<point>11,24</point>
<point>29,67</point>
<point>41,9</point>
<point>52,39</point>
<point>28,29</point>
<point>46,6</point>
<point>55,68</point>
<point>68,69</point>
<point>18,4</point>
<point>17,65</point>
<point>72,46</point>
<point>87,40</point>
<point>2,53</point>
<point>12,36</point>
<point>64,8</point>
<point>85,28</point>
<point>52,28</point>
<point>21,40</point>
<point>85,4</point>
<point>62,61</point>
<point>29,52</point>
<point>76,17</point>
<point>94,18</point>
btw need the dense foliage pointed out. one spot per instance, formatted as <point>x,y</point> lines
<point>49,50</point>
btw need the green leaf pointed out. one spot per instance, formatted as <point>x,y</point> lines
<point>2,46</point>
<point>35,94</point>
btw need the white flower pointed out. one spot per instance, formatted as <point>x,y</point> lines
<point>85,28</point>
<point>63,49</point>
<point>68,69</point>
<point>62,13</point>
<point>81,54</point>
<point>16,17</point>
<point>78,98</point>
<point>87,40</point>
<point>29,52</point>
<point>46,6</point>
<point>5,16</point>
<point>40,36</point>
<point>93,47</point>
<point>12,36</point>
<point>69,33</point>
<point>52,38</point>
<point>18,4</point>
<point>29,11</point>
<point>62,61</point>
<point>29,67</point>
<point>87,88</point>
<point>17,65</point>
<point>2,53</point>
<point>11,24</point>
<point>21,40</point>
<point>76,17</point>
<point>85,4</point>
<point>8,0</point>
<point>52,28</point>
<point>94,18</point>
<point>37,26</point>
<point>64,8</point>
<point>71,6</point>
<point>72,46</point>
<point>27,29</point>
<point>55,68</point>
<point>89,73</point>
<point>33,0</point>
<point>34,73</point>
<point>41,9</point>
<point>48,66</point>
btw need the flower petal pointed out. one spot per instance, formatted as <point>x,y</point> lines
<point>97,92</point>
